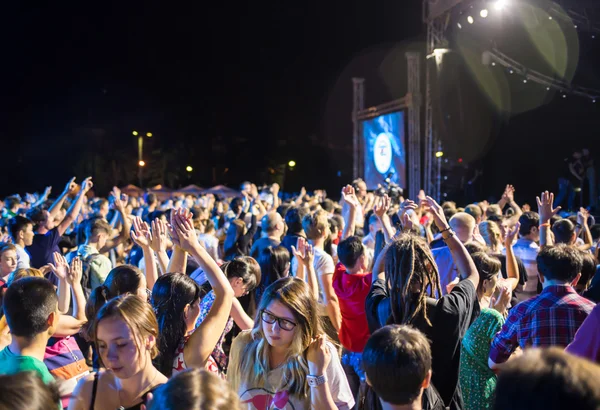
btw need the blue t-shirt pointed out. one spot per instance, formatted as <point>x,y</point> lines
<point>42,248</point>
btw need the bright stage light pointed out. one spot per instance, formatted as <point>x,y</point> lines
<point>149,134</point>
<point>459,25</point>
<point>484,13</point>
<point>525,81</point>
<point>439,154</point>
<point>135,133</point>
<point>470,20</point>
<point>189,168</point>
<point>141,163</point>
<point>292,164</point>
<point>500,4</point>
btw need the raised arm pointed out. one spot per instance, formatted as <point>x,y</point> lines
<point>512,268</point>
<point>381,210</point>
<point>125,229</point>
<point>71,325</point>
<point>60,267</point>
<point>202,342</point>
<point>582,227</point>
<point>546,211</point>
<point>75,208</point>
<point>178,261</point>
<point>305,255</point>
<point>44,197</point>
<point>350,207</point>
<point>159,244</point>
<point>509,193</point>
<point>240,317</point>
<point>276,202</point>
<point>71,186</point>
<point>142,236</point>
<point>460,256</point>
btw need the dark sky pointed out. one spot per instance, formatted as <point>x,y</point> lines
<point>268,81</point>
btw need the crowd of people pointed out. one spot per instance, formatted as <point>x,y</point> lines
<point>255,302</point>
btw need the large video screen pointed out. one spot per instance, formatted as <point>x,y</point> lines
<point>385,153</point>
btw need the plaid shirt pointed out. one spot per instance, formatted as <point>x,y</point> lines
<point>549,319</point>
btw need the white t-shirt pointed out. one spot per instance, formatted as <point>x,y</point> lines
<point>211,244</point>
<point>269,397</point>
<point>23,260</point>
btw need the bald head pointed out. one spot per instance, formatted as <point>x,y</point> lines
<point>272,224</point>
<point>463,225</point>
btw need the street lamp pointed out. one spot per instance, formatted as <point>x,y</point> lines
<point>189,168</point>
<point>142,163</point>
<point>292,163</point>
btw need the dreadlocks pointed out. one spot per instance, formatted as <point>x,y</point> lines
<point>409,263</point>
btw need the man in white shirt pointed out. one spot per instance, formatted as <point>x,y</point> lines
<point>21,232</point>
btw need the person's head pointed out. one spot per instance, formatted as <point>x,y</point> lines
<point>31,307</point>
<point>529,225</point>
<point>463,226</point>
<point>246,187</point>
<point>241,275</point>
<point>489,268</point>
<point>493,210</point>
<point>24,273</point>
<point>195,389</point>
<point>334,228</point>
<point>272,224</point>
<point>588,270</point>
<point>41,218</point>
<point>274,264</point>
<point>8,259</point>
<point>374,224</point>
<point>151,199</point>
<point>351,253</point>
<point>410,270</point>
<point>122,280</point>
<point>328,205</point>
<point>176,301</point>
<point>237,228</point>
<point>595,231</point>
<point>397,362</point>
<point>475,211</point>
<point>315,225</point>
<point>97,231</point>
<point>209,227</point>
<point>12,203</point>
<point>490,231</point>
<point>125,334</point>
<point>564,232</point>
<point>293,220</point>
<point>360,188</point>
<point>21,230</point>
<point>100,207</point>
<point>27,391</point>
<point>548,379</point>
<point>287,320</point>
<point>236,205</point>
<point>561,263</point>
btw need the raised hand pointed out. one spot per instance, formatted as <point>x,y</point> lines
<point>71,186</point>
<point>509,193</point>
<point>484,205</point>
<point>407,205</point>
<point>305,252</point>
<point>501,301</point>
<point>407,222</point>
<point>436,211</point>
<point>60,266</point>
<point>349,196</point>
<point>76,271</point>
<point>511,234</point>
<point>318,355</point>
<point>382,206</point>
<point>582,216</point>
<point>184,227</point>
<point>141,234</point>
<point>159,238</point>
<point>545,208</point>
<point>86,185</point>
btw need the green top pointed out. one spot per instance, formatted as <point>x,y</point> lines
<point>11,363</point>
<point>477,380</point>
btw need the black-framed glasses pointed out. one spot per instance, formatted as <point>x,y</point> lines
<point>283,324</point>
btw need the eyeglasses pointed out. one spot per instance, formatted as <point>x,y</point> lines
<point>284,324</point>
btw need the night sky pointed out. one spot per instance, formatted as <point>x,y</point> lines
<point>233,89</point>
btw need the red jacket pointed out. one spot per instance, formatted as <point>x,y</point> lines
<point>352,291</point>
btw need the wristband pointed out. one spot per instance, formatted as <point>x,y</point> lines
<point>315,381</point>
<point>445,230</point>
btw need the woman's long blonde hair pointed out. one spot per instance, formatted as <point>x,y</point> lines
<point>254,362</point>
<point>490,231</point>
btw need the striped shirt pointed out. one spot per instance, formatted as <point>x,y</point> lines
<point>66,363</point>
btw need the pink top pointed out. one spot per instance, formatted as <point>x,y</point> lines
<point>587,339</point>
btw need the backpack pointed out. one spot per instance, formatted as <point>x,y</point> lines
<point>86,271</point>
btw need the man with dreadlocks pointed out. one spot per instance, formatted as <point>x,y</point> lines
<point>404,293</point>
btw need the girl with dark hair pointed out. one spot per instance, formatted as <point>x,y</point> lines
<point>286,352</point>
<point>405,293</point>
<point>176,301</point>
<point>237,241</point>
<point>125,333</point>
<point>243,278</point>
<point>274,264</point>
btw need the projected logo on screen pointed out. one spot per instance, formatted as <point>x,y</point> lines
<point>385,156</point>
<point>383,152</point>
